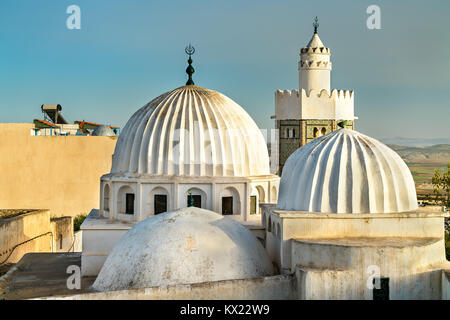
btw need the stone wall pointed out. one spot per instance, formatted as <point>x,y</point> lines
<point>296,133</point>
<point>62,229</point>
<point>23,227</point>
<point>60,173</point>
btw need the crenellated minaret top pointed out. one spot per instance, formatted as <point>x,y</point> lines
<point>314,66</point>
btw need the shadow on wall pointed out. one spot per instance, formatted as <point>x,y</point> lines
<point>33,231</point>
<point>16,234</point>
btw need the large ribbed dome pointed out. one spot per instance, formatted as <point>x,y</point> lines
<point>191,245</point>
<point>191,131</point>
<point>346,172</point>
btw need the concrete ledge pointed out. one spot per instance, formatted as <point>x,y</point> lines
<point>319,215</point>
<point>94,221</point>
<point>280,287</point>
<point>390,254</point>
<point>394,242</point>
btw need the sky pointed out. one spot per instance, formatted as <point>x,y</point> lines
<point>128,52</point>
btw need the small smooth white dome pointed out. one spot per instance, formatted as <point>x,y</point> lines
<point>191,131</point>
<point>103,130</point>
<point>346,172</point>
<point>191,245</point>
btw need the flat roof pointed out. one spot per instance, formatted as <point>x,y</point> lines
<point>43,274</point>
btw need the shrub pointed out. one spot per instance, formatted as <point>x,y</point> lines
<point>77,221</point>
<point>447,244</point>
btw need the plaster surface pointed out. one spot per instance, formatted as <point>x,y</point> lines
<point>346,172</point>
<point>191,245</point>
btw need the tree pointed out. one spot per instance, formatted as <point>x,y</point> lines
<point>441,183</point>
<point>77,221</point>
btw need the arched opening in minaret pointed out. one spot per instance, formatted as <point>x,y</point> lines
<point>323,131</point>
<point>106,195</point>
<point>316,132</point>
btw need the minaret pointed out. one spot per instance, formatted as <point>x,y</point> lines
<point>314,109</point>
<point>314,67</point>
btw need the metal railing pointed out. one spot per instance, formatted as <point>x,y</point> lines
<point>26,241</point>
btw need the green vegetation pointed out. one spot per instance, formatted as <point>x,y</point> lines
<point>77,221</point>
<point>422,161</point>
<point>447,245</point>
<point>422,172</point>
<point>441,184</point>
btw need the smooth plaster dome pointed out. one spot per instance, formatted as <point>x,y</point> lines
<point>191,245</point>
<point>103,130</point>
<point>191,131</point>
<point>346,172</point>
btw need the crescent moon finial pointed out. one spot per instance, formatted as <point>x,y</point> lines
<point>190,50</point>
<point>190,69</point>
<point>316,24</point>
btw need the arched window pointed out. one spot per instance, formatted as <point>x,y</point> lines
<point>158,201</point>
<point>231,203</point>
<point>323,131</point>
<point>106,195</point>
<point>126,200</point>
<point>273,195</point>
<point>253,205</point>
<point>293,133</point>
<point>316,132</point>
<point>199,197</point>
<point>261,197</point>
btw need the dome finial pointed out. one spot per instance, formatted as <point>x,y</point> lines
<point>190,69</point>
<point>190,199</point>
<point>316,24</point>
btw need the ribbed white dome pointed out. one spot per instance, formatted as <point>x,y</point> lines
<point>346,172</point>
<point>191,245</point>
<point>191,131</point>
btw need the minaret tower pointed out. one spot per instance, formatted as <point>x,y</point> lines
<point>314,109</point>
<point>314,67</point>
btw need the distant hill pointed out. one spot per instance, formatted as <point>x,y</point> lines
<point>422,161</point>
<point>415,142</point>
<point>439,153</point>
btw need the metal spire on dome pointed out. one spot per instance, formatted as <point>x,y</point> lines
<point>316,24</point>
<point>190,69</point>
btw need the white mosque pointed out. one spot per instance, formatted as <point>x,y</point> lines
<point>190,181</point>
